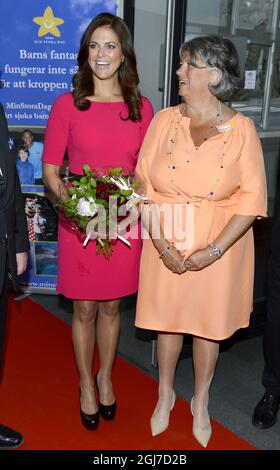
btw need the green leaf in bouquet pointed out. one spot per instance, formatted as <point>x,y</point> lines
<point>87,170</point>
<point>70,212</point>
<point>71,191</point>
<point>82,221</point>
<point>89,192</point>
<point>80,193</point>
<point>69,203</point>
<point>92,182</point>
<point>64,202</point>
<point>115,171</point>
<point>126,192</point>
<point>83,180</point>
<point>102,202</point>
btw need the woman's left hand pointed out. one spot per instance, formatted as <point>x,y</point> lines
<point>200,259</point>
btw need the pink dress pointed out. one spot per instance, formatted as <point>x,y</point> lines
<point>100,138</point>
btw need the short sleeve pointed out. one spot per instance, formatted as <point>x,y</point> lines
<point>146,156</point>
<point>147,115</point>
<point>57,131</point>
<point>253,190</point>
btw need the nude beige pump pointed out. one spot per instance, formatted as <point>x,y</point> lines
<point>202,435</point>
<point>159,423</point>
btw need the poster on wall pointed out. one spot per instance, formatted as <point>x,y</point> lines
<point>39,42</point>
<point>42,233</point>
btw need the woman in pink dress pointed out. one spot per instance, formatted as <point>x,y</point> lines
<point>102,123</point>
<point>202,162</point>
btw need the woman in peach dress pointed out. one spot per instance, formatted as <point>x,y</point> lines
<point>202,166</point>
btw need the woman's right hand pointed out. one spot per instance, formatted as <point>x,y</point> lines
<point>53,181</point>
<point>172,258</point>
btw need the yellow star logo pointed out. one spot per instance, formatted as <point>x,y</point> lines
<point>48,23</point>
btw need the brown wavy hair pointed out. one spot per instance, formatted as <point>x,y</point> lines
<point>127,74</point>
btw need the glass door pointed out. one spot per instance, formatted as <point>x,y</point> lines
<point>253,26</point>
<point>150,22</point>
<point>158,26</point>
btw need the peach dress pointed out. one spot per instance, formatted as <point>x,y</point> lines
<point>224,176</point>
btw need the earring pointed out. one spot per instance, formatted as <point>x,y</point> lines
<point>216,80</point>
<point>122,59</point>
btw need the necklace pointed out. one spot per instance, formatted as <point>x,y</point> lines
<point>217,126</point>
<point>222,128</point>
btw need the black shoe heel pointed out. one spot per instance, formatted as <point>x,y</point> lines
<point>90,422</point>
<point>108,412</point>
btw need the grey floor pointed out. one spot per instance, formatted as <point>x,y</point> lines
<point>236,386</point>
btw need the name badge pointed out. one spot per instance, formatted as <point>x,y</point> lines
<point>226,127</point>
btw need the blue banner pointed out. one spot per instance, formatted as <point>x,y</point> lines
<point>39,41</point>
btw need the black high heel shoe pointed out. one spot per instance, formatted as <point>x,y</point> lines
<point>90,421</point>
<point>107,412</point>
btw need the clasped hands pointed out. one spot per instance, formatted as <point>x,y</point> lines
<point>175,261</point>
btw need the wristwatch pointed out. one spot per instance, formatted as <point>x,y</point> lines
<point>215,250</point>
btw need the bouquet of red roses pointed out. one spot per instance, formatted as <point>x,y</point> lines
<point>97,207</point>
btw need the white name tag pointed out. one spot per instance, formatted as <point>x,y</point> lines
<point>225,127</point>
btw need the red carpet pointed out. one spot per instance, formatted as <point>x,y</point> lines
<point>39,395</point>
